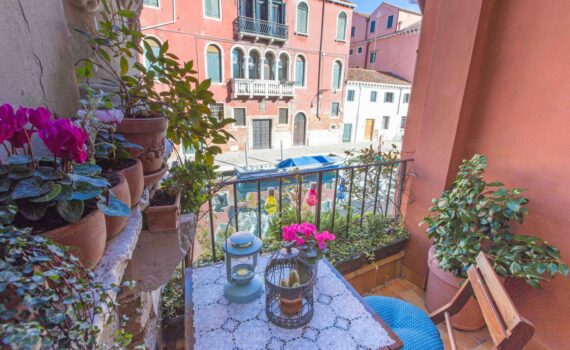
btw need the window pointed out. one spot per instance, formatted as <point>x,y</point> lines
<point>407,98</point>
<point>302,18</point>
<point>350,95</point>
<point>214,64</point>
<point>283,115</point>
<point>217,110</point>
<point>337,75</point>
<point>269,66</point>
<point>385,122</point>
<point>154,46</point>
<point>373,96</point>
<point>390,21</point>
<point>283,67</point>
<point>239,116</point>
<point>153,3</point>
<point>373,57</point>
<point>237,64</point>
<point>351,51</point>
<point>346,132</point>
<point>352,31</point>
<point>403,122</point>
<point>254,65</point>
<point>341,27</point>
<point>360,50</point>
<point>335,106</point>
<point>212,9</point>
<point>389,97</point>
<point>372,26</point>
<point>300,68</point>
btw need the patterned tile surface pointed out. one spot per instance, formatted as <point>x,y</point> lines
<point>340,320</point>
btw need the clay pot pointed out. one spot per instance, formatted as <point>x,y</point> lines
<point>115,224</point>
<point>290,306</point>
<point>153,178</point>
<point>150,134</point>
<point>441,287</point>
<point>135,181</point>
<point>164,218</point>
<point>86,238</point>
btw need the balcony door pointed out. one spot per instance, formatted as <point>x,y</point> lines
<point>299,130</point>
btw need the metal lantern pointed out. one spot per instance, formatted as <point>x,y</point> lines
<point>289,282</point>
<point>242,253</point>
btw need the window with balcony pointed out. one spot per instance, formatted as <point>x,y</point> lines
<point>390,22</point>
<point>385,122</point>
<point>151,3</point>
<point>372,26</point>
<point>337,75</point>
<point>261,19</point>
<point>269,66</point>
<point>335,107</point>
<point>238,64</point>
<point>254,65</point>
<point>300,71</point>
<point>283,69</point>
<point>389,97</point>
<point>212,9</point>
<point>214,64</point>
<point>302,18</point>
<point>341,27</point>
<point>373,96</point>
<point>406,98</point>
<point>350,95</point>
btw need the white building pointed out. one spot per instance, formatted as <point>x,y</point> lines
<point>376,106</point>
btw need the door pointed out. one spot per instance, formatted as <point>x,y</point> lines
<point>346,132</point>
<point>261,133</point>
<point>299,130</point>
<point>369,129</point>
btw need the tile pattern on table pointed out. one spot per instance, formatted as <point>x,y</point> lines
<point>340,320</point>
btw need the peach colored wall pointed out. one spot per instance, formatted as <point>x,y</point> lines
<point>396,54</point>
<point>496,87</point>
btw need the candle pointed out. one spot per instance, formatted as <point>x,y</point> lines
<point>242,271</point>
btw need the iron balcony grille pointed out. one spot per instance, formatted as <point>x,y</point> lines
<point>258,28</point>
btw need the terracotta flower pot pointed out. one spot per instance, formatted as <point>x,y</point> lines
<point>135,180</point>
<point>86,238</point>
<point>163,218</point>
<point>290,306</point>
<point>441,288</point>
<point>150,134</point>
<point>115,224</point>
<point>153,178</point>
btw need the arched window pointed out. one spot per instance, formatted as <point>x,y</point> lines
<point>254,65</point>
<point>214,64</point>
<point>302,18</point>
<point>336,75</point>
<point>341,27</point>
<point>283,67</point>
<point>237,64</point>
<point>300,69</point>
<point>269,66</point>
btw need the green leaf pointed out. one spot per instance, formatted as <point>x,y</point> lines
<point>91,180</point>
<point>70,211</point>
<point>7,214</point>
<point>17,159</point>
<point>513,205</point>
<point>126,13</point>
<point>563,269</point>
<point>84,191</point>
<point>32,187</point>
<point>87,169</point>
<point>114,207</point>
<point>33,211</point>
<point>20,172</point>
<point>54,192</point>
<point>48,173</point>
<point>124,65</point>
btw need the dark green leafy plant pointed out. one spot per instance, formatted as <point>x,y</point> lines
<point>476,216</point>
<point>47,297</point>
<point>172,295</point>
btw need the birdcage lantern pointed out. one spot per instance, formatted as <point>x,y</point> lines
<point>242,254</point>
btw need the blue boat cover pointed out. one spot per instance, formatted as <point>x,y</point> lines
<point>305,161</point>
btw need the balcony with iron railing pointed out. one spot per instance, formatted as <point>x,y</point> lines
<point>260,29</point>
<point>262,88</point>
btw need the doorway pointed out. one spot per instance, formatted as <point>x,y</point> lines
<point>369,130</point>
<point>299,130</point>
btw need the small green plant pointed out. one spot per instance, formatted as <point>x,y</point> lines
<point>475,216</point>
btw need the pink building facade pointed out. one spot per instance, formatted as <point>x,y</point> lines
<point>386,40</point>
<point>273,67</point>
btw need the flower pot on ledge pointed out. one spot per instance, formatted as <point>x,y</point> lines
<point>163,213</point>
<point>131,169</point>
<point>115,224</point>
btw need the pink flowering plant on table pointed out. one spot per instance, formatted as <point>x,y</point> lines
<point>313,244</point>
<point>58,189</point>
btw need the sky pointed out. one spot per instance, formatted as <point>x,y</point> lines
<point>367,6</point>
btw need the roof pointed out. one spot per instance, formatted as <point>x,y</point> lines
<point>372,76</point>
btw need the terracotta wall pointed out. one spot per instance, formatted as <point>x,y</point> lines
<point>492,78</point>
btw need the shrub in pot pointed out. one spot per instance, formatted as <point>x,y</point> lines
<point>475,216</point>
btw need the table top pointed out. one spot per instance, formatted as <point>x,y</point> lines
<point>342,320</point>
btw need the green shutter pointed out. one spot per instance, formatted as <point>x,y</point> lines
<point>300,72</point>
<point>214,67</point>
<point>341,27</point>
<point>336,76</point>
<point>302,18</point>
<point>212,8</point>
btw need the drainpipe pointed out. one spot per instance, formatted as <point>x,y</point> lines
<point>367,43</point>
<point>357,113</point>
<point>320,59</point>
<point>165,23</point>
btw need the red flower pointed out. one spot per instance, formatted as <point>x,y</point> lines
<point>39,117</point>
<point>7,122</point>
<point>65,140</point>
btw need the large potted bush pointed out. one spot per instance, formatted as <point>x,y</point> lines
<point>475,216</point>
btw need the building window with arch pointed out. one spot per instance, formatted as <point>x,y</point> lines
<point>283,68</point>
<point>254,65</point>
<point>237,64</point>
<point>337,75</point>
<point>341,27</point>
<point>302,18</point>
<point>269,66</point>
<point>214,63</point>
<point>300,69</point>
<point>212,9</point>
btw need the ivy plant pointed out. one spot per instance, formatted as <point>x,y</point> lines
<point>475,216</point>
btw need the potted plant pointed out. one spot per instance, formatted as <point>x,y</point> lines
<point>311,243</point>
<point>475,216</point>
<point>291,306</point>
<point>61,196</point>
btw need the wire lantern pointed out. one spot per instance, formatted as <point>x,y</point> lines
<point>289,282</point>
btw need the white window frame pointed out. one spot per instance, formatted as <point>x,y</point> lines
<point>151,6</point>
<point>297,17</point>
<point>245,53</point>
<point>305,82</point>
<point>340,82</point>
<point>222,80</point>
<point>345,27</point>
<point>289,69</point>
<point>212,18</point>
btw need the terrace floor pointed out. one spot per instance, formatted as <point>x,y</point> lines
<point>477,340</point>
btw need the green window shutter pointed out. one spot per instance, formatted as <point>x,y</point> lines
<point>214,65</point>
<point>302,18</point>
<point>212,8</point>
<point>300,72</point>
<point>341,27</point>
<point>336,75</point>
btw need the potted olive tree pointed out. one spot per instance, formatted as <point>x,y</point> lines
<point>475,216</point>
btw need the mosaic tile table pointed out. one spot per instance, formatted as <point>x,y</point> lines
<point>342,320</point>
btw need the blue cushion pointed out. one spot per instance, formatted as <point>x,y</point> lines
<point>409,322</point>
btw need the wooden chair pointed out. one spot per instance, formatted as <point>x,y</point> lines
<point>508,329</point>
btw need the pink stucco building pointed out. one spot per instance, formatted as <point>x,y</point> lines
<point>386,40</point>
<point>277,66</point>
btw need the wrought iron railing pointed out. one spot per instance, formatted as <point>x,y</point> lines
<point>246,26</point>
<point>345,195</point>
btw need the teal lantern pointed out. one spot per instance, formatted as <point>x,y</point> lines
<point>242,252</point>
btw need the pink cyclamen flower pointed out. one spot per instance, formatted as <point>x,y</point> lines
<point>324,237</point>
<point>290,232</point>
<point>65,140</point>
<point>7,122</point>
<point>39,117</point>
<point>307,229</point>
<point>111,116</point>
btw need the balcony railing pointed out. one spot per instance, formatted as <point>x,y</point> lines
<point>263,88</point>
<point>258,28</point>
